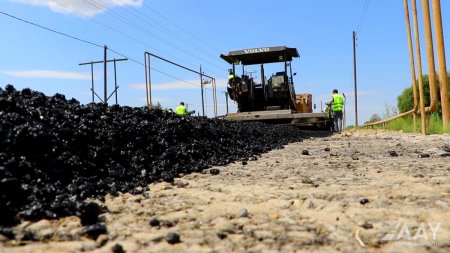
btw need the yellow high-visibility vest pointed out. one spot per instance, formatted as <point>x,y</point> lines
<point>338,102</point>
<point>181,110</point>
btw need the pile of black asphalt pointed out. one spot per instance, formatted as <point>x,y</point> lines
<point>55,153</point>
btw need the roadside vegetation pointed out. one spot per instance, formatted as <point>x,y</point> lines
<point>405,102</point>
<point>406,124</point>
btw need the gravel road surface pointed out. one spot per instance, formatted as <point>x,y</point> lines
<point>360,191</point>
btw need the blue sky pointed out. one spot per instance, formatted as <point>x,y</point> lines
<point>194,33</point>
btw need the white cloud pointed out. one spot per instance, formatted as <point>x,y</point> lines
<point>81,7</point>
<point>49,74</point>
<point>188,84</point>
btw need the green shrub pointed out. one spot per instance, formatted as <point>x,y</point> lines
<point>406,124</point>
<point>405,101</point>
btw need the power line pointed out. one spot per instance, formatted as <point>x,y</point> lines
<point>51,30</point>
<point>157,70</point>
<point>146,31</point>
<point>93,44</point>
<point>125,20</point>
<point>181,28</point>
<point>175,35</point>
<point>165,30</point>
<point>124,34</point>
<point>363,16</point>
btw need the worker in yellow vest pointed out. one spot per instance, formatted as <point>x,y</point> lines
<point>232,78</point>
<point>181,109</point>
<point>337,105</point>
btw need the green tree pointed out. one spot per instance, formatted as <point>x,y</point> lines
<point>405,101</point>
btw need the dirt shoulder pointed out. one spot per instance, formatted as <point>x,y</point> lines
<point>364,191</point>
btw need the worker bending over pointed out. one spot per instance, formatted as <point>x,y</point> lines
<point>182,110</point>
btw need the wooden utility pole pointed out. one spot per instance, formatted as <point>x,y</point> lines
<point>443,81</point>
<point>354,77</point>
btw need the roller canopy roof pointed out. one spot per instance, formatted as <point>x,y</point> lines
<point>261,55</point>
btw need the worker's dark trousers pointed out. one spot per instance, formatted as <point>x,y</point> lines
<point>338,121</point>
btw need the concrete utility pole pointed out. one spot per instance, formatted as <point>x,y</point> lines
<point>443,81</point>
<point>201,88</point>
<point>215,96</point>
<point>226,99</point>
<point>344,111</point>
<point>354,77</point>
<point>148,82</point>
<point>105,64</point>
<point>92,78</point>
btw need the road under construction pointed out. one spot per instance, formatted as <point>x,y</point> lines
<point>96,178</point>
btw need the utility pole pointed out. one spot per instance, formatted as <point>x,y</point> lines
<point>344,120</point>
<point>105,64</point>
<point>115,81</point>
<point>148,83</point>
<point>92,78</point>
<point>250,73</point>
<point>148,79</point>
<point>214,96</point>
<point>354,77</point>
<point>92,81</point>
<point>201,88</point>
<point>226,99</point>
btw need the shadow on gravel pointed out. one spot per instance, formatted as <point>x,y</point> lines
<point>55,153</point>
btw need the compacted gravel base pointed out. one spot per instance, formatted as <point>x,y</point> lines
<point>346,194</point>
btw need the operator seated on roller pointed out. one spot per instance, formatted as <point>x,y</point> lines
<point>233,78</point>
<point>277,82</point>
<point>275,86</point>
<point>182,110</point>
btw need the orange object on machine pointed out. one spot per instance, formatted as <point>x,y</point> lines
<point>304,103</point>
